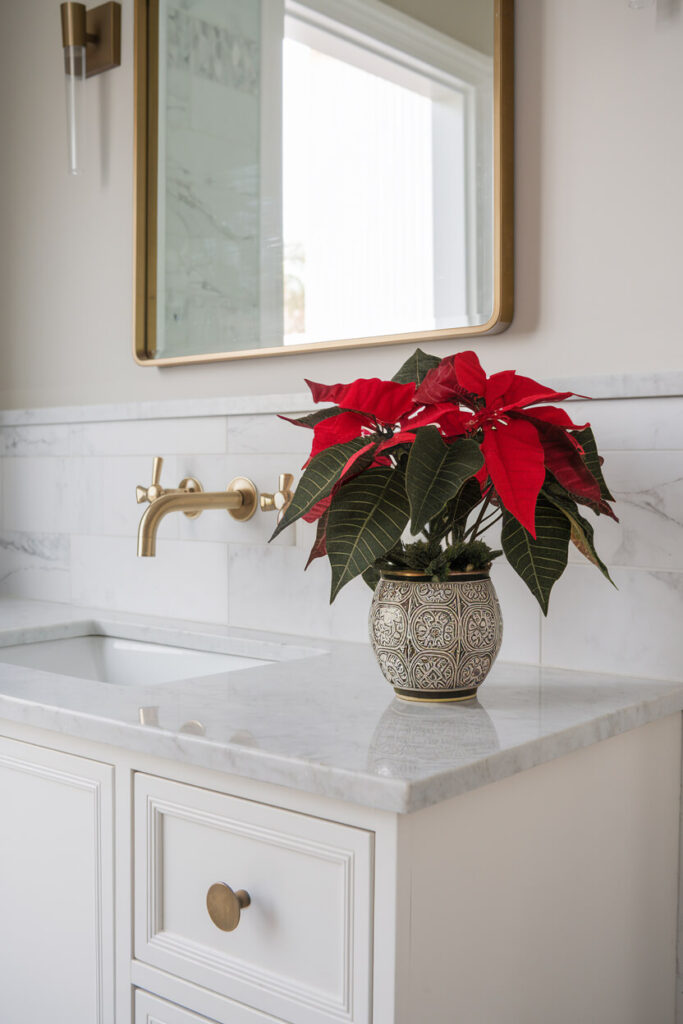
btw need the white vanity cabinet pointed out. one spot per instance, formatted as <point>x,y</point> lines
<point>549,895</point>
<point>302,948</point>
<point>56,887</point>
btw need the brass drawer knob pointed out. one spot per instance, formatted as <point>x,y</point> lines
<point>225,906</point>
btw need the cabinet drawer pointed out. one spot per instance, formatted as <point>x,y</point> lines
<point>302,948</point>
<point>150,1010</point>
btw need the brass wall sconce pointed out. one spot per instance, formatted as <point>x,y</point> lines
<point>92,44</point>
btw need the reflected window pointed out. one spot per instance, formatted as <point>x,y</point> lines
<point>380,156</point>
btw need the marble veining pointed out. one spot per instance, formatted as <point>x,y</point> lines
<point>30,559</point>
<point>320,718</point>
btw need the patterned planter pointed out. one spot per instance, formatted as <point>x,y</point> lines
<point>435,641</point>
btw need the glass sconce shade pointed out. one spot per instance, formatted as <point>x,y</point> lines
<point>74,40</point>
<point>74,66</point>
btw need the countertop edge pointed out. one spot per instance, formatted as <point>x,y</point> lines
<point>364,789</point>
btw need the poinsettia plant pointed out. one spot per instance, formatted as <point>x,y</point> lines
<point>410,473</point>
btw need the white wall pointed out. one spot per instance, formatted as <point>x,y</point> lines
<point>599,215</point>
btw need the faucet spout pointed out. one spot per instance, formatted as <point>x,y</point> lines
<point>239,499</point>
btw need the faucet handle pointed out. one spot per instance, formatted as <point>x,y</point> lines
<point>189,486</point>
<point>155,490</point>
<point>279,501</point>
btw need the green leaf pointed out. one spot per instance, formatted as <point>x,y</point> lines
<point>465,501</point>
<point>372,576</point>
<point>313,418</point>
<point>587,441</point>
<point>318,479</point>
<point>367,517</point>
<point>540,562</point>
<point>582,532</point>
<point>415,369</point>
<point>435,473</point>
<point>320,543</point>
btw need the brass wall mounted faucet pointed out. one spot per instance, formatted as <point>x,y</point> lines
<point>239,499</point>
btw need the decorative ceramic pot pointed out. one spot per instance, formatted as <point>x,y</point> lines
<point>435,641</point>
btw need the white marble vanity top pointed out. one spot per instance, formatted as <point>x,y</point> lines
<point>319,717</point>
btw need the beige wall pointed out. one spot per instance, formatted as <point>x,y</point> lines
<point>469,21</point>
<point>599,215</point>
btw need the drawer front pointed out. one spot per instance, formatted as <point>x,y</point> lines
<point>150,1010</point>
<point>302,948</point>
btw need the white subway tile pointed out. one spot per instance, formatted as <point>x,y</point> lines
<point>102,495</point>
<point>35,566</point>
<point>269,590</point>
<point>268,433</point>
<point>635,630</point>
<point>632,424</point>
<point>38,439</point>
<point>648,487</point>
<point>204,434</point>
<point>36,494</point>
<point>185,580</point>
<point>521,615</point>
<point>351,608</point>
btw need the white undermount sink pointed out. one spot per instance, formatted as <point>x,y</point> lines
<point>109,659</point>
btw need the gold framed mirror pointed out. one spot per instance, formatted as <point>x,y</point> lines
<point>320,174</point>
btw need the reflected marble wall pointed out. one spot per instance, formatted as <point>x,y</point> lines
<point>209,221</point>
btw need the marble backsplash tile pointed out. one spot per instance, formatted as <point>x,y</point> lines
<point>635,630</point>
<point>68,525</point>
<point>633,424</point>
<point>648,486</point>
<point>186,579</point>
<point>35,566</point>
<point>182,436</point>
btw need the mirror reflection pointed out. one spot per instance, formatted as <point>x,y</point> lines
<point>318,172</point>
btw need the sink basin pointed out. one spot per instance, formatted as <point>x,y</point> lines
<point>109,659</point>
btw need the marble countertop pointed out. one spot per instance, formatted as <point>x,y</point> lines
<point>319,717</point>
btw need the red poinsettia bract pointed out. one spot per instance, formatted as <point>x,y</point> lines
<point>521,437</point>
<point>381,410</point>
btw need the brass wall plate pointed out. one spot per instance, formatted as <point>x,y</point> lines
<point>146,164</point>
<point>249,498</point>
<point>104,52</point>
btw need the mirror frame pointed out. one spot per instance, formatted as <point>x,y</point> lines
<point>145,204</point>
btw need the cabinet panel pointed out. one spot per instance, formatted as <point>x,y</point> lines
<point>302,949</point>
<point>56,887</point>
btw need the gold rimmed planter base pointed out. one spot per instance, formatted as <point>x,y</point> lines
<point>447,697</point>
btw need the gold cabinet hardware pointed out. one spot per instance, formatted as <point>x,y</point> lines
<point>187,486</point>
<point>225,906</point>
<point>240,499</point>
<point>279,501</point>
